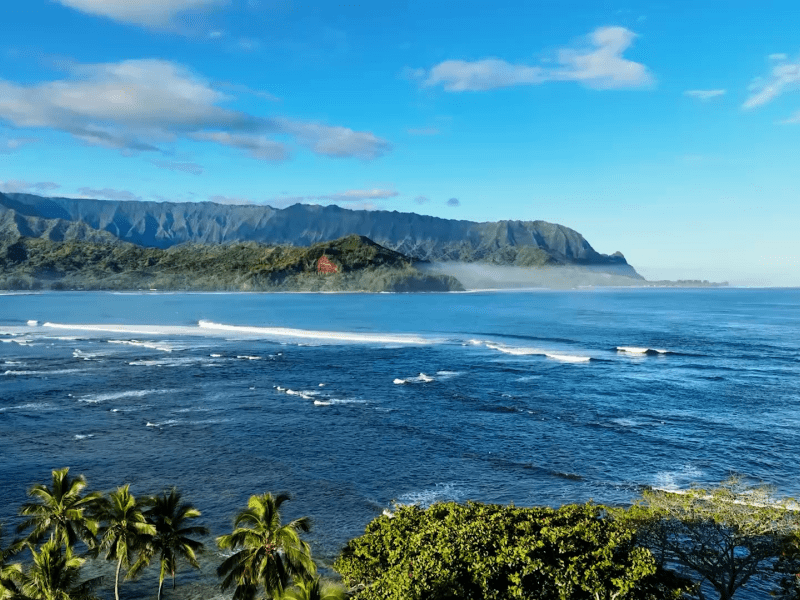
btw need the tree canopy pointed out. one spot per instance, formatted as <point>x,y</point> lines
<point>497,552</point>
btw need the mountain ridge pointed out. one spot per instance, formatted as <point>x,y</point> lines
<point>421,237</point>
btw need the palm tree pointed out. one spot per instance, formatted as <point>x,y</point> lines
<point>314,589</point>
<point>124,528</point>
<point>270,553</point>
<point>8,572</point>
<point>54,575</point>
<point>171,541</point>
<point>61,510</point>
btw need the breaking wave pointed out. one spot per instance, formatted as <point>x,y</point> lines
<point>332,336</point>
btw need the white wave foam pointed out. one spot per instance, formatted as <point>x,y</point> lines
<point>527,351</point>
<point>86,355</point>
<point>442,492</point>
<point>151,345</point>
<point>97,398</point>
<point>675,480</point>
<point>640,350</point>
<point>333,336</point>
<point>335,401</point>
<point>399,381</point>
<point>29,406</point>
<point>166,362</point>
<point>162,424</point>
<point>54,372</point>
<point>33,323</point>
<point>246,357</point>
<point>84,436</point>
<point>215,355</point>
<point>305,395</point>
<point>448,374</point>
<point>569,358</point>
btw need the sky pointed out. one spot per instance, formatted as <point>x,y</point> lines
<point>668,130</point>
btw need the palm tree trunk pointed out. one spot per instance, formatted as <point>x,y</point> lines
<point>173,580</point>
<point>116,581</point>
<point>160,584</point>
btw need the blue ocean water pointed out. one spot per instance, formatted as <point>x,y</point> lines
<point>352,401</point>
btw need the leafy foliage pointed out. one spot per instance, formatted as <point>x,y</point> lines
<point>9,572</point>
<point>171,538</point>
<point>124,528</point>
<point>61,510</point>
<point>499,552</point>
<point>270,553</point>
<point>721,537</point>
<point>314,589</point>
<point>54,575</point>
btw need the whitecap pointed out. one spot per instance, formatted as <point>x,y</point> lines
<point>442,492</point>
<point>29,406</point>
<point>640,350</point>
<point>151,345</point>
<point>399,381</point>
<point>97,398</point>
<point>54,372</point>
<point>215,355</point>
<point>84,436</point>
<point>33,323</point>
<point>569,358</point>
<point>246,357</point>
<point>333,336</point>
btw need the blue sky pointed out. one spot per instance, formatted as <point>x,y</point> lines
<point>667,131</point>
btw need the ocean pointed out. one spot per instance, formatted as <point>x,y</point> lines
<point>352,402</point>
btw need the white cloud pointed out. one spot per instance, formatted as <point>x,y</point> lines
<point>185,167</point>
<point>784,77</point>
<point>12,144</point>
<point>598,65</point>
<point>358,196</point>
<point>18,185</point>
<point>258,146</point>
<point>704,95</point>
<point>236,200</point>
<point>778,56</point>
<point>149,13</point>
<point>108,194</point>
<point>335,141</point>
<point>136,105</point>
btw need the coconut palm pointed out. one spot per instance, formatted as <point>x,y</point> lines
<point>124,528</point>
<point>269,554</point>
<point>54,575</point>
<point>61,510</point>
<point>172,539</point>
<point>314,589</point>
<point>9,572</point>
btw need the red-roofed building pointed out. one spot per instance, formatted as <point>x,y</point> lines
<point>325,266</point>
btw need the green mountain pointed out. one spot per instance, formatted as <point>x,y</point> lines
<point>70,256</point>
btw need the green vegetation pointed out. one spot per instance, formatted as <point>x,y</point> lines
<point>39,263</point>
<point>720,537</point>
<point>170,538</point>
<point>497,552</point>
<point>270,553</point>
<point>668,545</point>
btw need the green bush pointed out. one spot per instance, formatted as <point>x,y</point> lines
<point>484,551</point>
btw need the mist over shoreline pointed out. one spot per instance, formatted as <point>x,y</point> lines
<point>486,276</point>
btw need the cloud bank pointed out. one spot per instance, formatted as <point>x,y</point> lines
<point>148,13</point>
<point>138,105</point>
<point>598,64</point>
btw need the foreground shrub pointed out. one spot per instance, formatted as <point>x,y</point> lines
<point>481,551</point>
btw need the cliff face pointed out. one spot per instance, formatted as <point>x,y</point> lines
<point>165,224</point>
